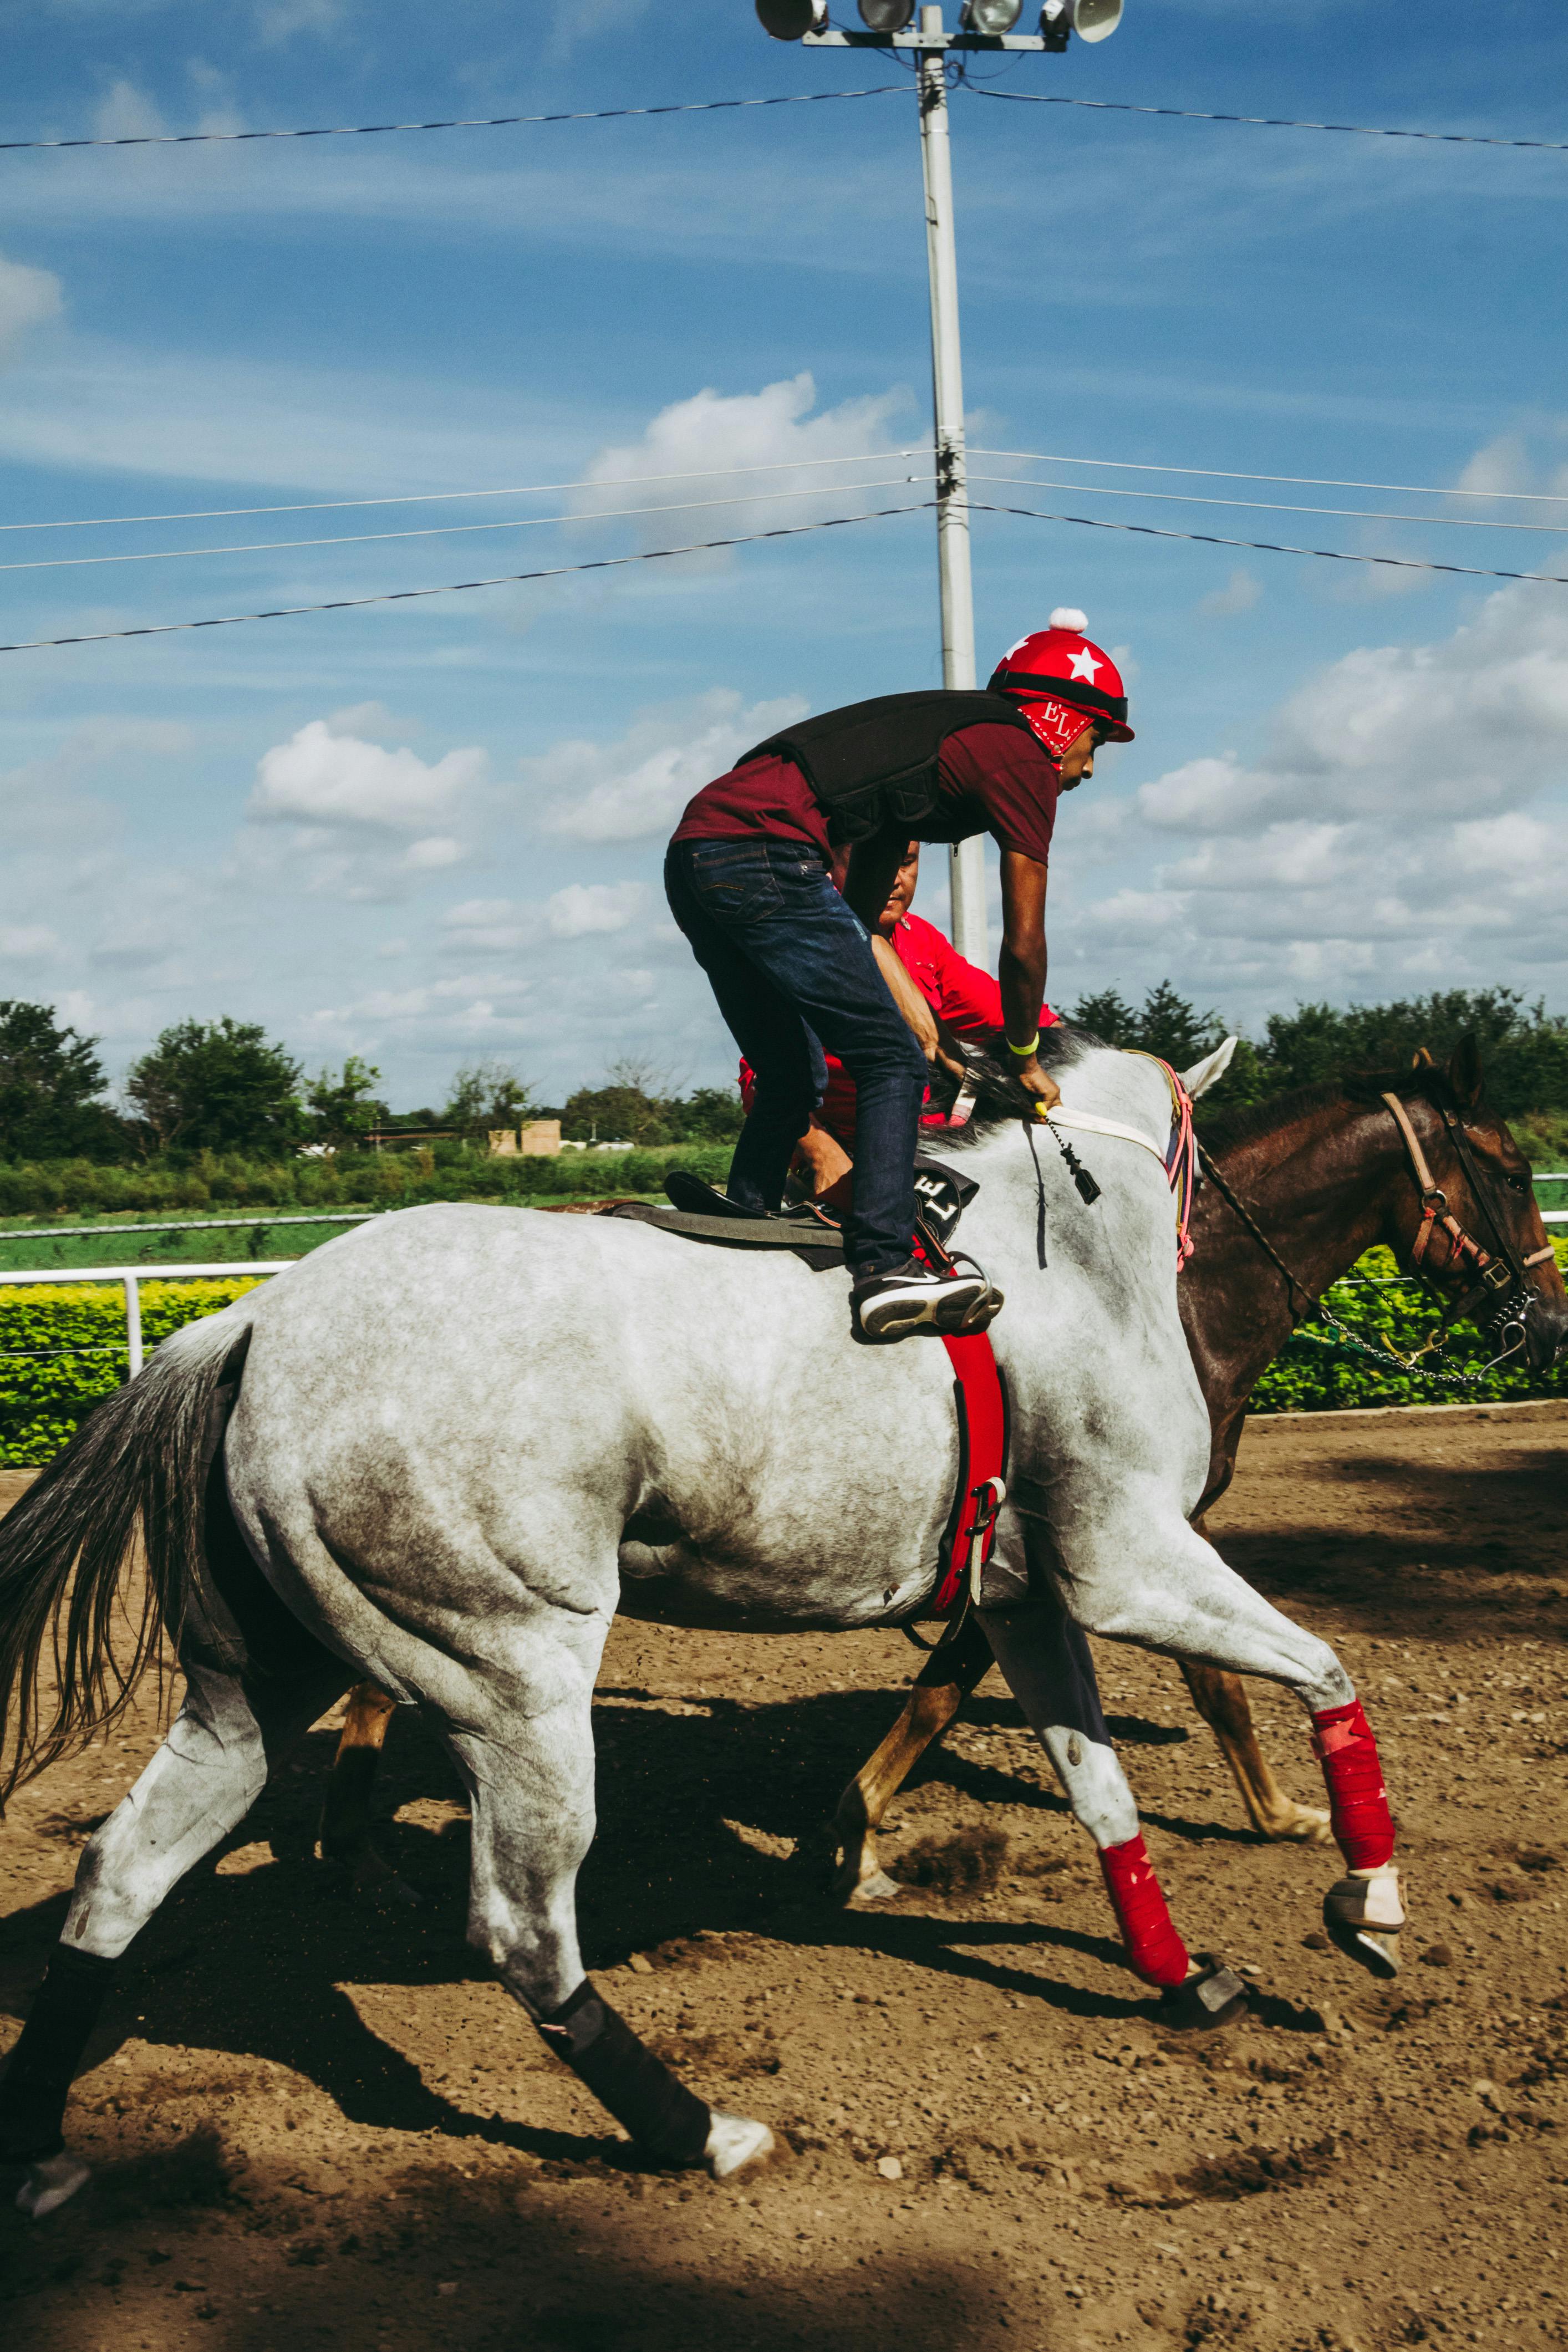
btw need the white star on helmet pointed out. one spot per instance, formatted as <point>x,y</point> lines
<point>1084,665</point>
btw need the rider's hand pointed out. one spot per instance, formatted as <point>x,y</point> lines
<point>824,1157</point>
<point>1038,1082</point>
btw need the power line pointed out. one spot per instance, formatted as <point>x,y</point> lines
<point>457,587</point>
<point>517,490</point>
<point>1260,546</point>
<point>468,123</point>
<point>1271,122</point>
<point>453,529</point>
<point>1221,474</point>
<point>1196,498</point>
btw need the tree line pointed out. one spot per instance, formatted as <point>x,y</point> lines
<point>224,1085</point>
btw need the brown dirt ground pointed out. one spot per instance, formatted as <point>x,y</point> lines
<point>313,2122</point>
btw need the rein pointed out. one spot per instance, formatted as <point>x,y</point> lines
<point>1500,1277</point>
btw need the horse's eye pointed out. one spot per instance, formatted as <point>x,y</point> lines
<point>1520,1183</point>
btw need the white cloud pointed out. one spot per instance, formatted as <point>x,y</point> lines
<point>1407,820</point>
<point>341,780</point>
<point>27,942</point>
<point>1240,594</point>
<point>279,20</point>
<point>28,298</point>
<point>639,784</point>
<point>728,438</point>
<point>584,906</point>
<point>429,856</point>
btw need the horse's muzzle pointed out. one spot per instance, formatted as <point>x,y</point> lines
<point>1546,1331</point>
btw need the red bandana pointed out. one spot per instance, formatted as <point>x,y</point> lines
<point>1058,725</point>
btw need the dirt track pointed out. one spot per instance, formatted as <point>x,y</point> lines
<point>314,2124</point>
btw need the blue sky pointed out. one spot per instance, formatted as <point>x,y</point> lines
<point>431,832</point>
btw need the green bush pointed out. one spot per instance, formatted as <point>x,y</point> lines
<point>62,1346</point>
<point>1310,1377</point>
<point>214,1183</point>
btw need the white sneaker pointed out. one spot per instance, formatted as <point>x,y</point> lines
<point>913,1296</point>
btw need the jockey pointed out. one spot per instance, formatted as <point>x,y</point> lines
<point>957,992</point>
<point>792,961</point>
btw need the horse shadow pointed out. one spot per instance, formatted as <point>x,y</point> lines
<point>699,1815</point>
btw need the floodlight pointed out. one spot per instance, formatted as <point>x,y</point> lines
<point>991,15</point>
<point>1096,20</point>
<point>887,16</point>
<point>790,20</point>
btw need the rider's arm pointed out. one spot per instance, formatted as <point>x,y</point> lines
<point>1021,969</point>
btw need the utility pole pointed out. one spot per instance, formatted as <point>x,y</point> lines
<point>986,24</point>
<point>965,859</point>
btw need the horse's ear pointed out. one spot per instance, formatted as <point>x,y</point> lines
<point>1465,1072</point>
<point>1422,1059</point>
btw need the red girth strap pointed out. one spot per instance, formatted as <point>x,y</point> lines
<point>982,1404</point>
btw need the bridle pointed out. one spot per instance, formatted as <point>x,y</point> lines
<point>1499,1273</point>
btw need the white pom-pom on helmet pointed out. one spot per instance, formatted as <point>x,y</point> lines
<point>1061,661</point>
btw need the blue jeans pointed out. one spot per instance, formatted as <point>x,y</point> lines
<point>791,965</point>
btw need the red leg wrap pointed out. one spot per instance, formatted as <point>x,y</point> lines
<point>1156,1951</point>
<point>1358,1801</point>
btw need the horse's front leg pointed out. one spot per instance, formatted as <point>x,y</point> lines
<point>950,1674</point>
<point>1221,1700</point>
<point>1047,1663</point>
<point>1133,1569</point>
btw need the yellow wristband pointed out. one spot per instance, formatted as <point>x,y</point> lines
<point>1023,1051</point>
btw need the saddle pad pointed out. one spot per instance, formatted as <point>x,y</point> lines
<point>814,1244</point>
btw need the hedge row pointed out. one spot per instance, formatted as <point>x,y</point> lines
<point>62,1346</point>
<point>354,1180</point>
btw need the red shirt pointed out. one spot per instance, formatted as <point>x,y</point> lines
<point>990,778</point>
<point>958,992</point>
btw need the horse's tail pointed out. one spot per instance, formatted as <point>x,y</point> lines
<point>134,1469</point>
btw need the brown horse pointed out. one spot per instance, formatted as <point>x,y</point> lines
<point>1296,1190</point>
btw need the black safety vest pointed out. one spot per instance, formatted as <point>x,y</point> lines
<point>875,763</point>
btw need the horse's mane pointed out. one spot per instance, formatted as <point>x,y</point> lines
<point>999,1097</point>
<point>1227,1130</point>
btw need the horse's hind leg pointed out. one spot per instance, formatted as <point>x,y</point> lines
<point>532,1785</point>
<point>1221,1700</point>
<point>200,1785</point>
<point>1047,1667</point>
<point>950,1674</point>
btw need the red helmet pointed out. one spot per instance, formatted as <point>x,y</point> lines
<point>1061,662</point>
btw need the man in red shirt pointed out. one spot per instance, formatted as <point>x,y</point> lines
<point>749,878</point>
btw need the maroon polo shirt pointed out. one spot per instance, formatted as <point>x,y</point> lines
<point>990,778</point>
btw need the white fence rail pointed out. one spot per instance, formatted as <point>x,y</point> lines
<point>130,1279</point>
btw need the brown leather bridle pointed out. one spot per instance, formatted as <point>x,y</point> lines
<point>1499,1275</point>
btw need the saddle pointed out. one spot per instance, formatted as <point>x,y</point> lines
<point>701,1212</point>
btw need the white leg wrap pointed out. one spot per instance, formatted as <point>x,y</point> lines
<point>1368,1898</point>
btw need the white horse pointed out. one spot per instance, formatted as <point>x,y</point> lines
<point>458,1439</point>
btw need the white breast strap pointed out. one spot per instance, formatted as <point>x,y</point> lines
<point>1089,1124</point>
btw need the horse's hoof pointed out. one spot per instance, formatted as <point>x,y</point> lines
<point>734,2143</point>
<point>1303,1825</point>
<point>50,2185</point>
<point>1213,1998</point>
<point>878,1888</point>
<point>1363,1915</point>
<point>371,1880</point>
